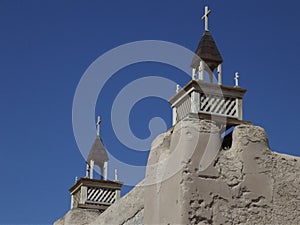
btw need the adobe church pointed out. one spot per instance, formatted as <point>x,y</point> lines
<point>194,175</point>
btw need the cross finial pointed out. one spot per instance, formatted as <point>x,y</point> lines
<point>98,126</point>
<point>116,175</point>
<point>177,88</point>
<point>236,78</point>
<point>205,17</point>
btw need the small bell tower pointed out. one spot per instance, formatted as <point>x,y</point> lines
<point>97,156</point>
<point>204,97</point>
<point>91,193</point>
<point>207,58</point>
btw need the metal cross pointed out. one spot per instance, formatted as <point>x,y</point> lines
<point>205,17</point>
<point>98,126</point>
<point>236,78</point>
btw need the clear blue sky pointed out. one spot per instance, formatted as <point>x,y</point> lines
<point>46,46</point>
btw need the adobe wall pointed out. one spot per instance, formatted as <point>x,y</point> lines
<point>245,183</point>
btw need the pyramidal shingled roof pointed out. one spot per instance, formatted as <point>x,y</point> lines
<point>98,153</point>
<point>208,51</point>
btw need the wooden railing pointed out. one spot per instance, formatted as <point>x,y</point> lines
<point>202,98</point>
<point>90,193</point>
<point>101,196</point>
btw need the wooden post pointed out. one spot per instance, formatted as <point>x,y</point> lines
<point>220,74</point>
<point>92,163</point>
<point>195,102</point>
<point>174,116</point>
<point>87,171</point>
<point>83,195</point>
<point>105,170</point>
<point>240,109</point>
<point>201,70</point>
<point>72,201</point>
<point>194,74</point>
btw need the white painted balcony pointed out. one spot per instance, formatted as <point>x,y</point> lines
<point>208,100</point>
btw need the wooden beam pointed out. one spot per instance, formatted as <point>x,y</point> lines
<point>219,119</point>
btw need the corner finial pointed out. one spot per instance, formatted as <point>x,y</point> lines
<point>98,126</point>
<point>236,78</point>
<point>177,88</point>
<point>205,17</point>
<point>116,175</point>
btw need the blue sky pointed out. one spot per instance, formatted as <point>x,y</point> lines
<point>46,46</point>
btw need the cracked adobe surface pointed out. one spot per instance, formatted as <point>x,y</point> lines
<point>246,183</point>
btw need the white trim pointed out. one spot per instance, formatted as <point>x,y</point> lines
<point>182,97</point>
<point>92,163</point>
<point>218,114</point>
<point>174,116</point>
<point>105,168</point>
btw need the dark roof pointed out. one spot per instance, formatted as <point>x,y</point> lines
<point>208,51</point>
<point>87,182</point>
<point>98,153</point>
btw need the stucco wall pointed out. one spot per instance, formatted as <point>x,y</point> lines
<point>245,183</point>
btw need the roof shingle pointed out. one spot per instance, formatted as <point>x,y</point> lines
<point>98,153</point>
<point>208,51</point>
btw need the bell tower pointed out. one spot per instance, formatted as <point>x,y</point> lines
<point>97,156</point>
<point>91,193</point>
<point>207,55</point>
<point>205,97</point>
